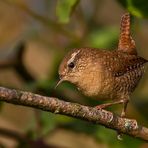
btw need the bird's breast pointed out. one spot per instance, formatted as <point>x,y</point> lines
<point>95,82</point>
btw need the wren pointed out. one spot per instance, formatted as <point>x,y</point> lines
<point>105,74</point>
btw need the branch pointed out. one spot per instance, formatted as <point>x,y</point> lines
<point>54,105</point>
<point>13,134</point>
<point>15,60</point>
<point>25,139</point>
<point>45,21</point>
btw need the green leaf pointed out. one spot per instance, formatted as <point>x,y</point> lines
<point>109,137</point>
<point>48,121</point>
<point>136,7</point>
<point>104,37</point>
<point>64,9</point>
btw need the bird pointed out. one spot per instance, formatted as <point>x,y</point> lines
<point>106,74</point>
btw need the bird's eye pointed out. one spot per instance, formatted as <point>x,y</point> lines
<point>71,65</point>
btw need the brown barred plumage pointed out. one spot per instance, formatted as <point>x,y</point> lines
<point>105,74</point>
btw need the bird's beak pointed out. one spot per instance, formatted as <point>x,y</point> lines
<point>59,82</point>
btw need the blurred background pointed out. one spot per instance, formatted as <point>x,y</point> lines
<point>34,37</point>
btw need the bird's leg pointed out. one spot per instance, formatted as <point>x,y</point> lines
<point>125,102</point>
<point>109,104</point>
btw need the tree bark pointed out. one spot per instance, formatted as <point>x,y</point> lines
<point>91,114</point>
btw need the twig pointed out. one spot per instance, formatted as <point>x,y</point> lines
<point>13,134</point>
<point>26,140</point>
<point>15,60</point>
<point>54,105</point>
<point>45,21</point>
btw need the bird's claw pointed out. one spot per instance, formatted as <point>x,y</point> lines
<point>100,107</point>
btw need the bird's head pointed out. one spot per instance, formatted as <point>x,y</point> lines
<point>73,66</point>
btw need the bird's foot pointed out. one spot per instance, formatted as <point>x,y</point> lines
<point>100,107</point>
<point>123,114</point>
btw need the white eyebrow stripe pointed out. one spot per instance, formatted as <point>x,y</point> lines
<point>73,57</point>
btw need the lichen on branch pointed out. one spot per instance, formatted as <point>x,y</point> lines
<point>91,114</point>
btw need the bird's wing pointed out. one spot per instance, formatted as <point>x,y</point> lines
<point>126,64</point>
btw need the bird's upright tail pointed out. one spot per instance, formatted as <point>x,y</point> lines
<point>126,43</point>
